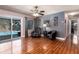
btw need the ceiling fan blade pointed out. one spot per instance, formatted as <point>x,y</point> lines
<point>41,14</point>
<point>42,11</point>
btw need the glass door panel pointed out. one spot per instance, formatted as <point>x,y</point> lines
<point>5,29</point>
<point>5,35</point>
<point>16,32</point>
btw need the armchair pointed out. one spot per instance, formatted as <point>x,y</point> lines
<point>36,32</point>
<point>50,34</point>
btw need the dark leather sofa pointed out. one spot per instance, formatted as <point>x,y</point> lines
<point>50,34</point>
<point>36,32</point>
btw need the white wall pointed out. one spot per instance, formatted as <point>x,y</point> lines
<point>22,27</point>
<point>67,25</point>
<point>5,13</point>
<point>78,30</point>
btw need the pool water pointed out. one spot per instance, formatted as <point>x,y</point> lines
<point>8,33</point>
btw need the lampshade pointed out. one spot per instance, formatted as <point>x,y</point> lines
<point>44,25</point>
<point>35,14</point>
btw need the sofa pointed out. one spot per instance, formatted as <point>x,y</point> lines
<point>36,32</point>
<point>50,34</point>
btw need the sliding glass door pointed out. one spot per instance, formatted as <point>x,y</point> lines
<point>10,30</point>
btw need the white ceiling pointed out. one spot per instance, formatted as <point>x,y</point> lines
<point>49,9</point>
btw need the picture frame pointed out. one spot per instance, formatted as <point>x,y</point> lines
<point>30,24</point>
<point>56,21</point>
<point>47,22</point>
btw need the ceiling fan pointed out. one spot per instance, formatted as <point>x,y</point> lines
<point>37,12</point>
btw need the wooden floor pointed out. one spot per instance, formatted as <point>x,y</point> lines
<point>40,46</point>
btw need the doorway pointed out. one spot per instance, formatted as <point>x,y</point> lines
<point>74,31</point>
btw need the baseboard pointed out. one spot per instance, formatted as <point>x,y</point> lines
<point>59,38</point>
<point>22,36</point>
<point>68,36</point>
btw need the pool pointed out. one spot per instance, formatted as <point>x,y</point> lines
<point>8,33</point>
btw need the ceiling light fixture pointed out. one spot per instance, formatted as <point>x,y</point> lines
<point>36,12</point>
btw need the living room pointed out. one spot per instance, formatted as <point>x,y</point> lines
<point>44,29</point>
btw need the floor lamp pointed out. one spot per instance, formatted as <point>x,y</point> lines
<point>44,26</point>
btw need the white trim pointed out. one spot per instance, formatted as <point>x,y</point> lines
<point>59,38</point>
<point>68,35</point>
